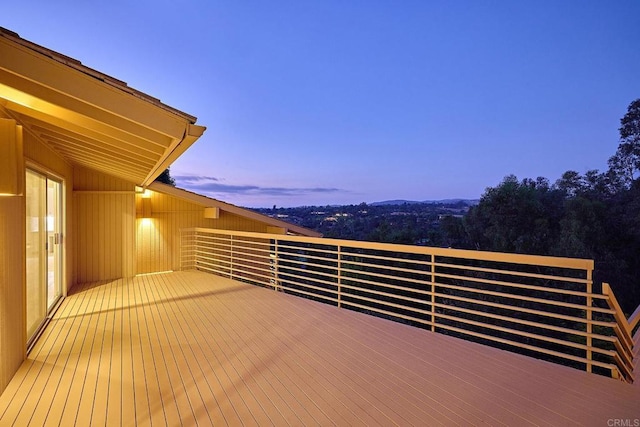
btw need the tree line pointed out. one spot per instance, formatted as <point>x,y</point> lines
<point>595,215</point>
<point>404,223</point>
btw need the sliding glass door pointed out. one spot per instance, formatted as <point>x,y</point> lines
<point>44,248</point>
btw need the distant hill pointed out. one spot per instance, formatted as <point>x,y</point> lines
<point>468,202</point>
<point>392,221</point>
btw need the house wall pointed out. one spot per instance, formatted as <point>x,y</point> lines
<point>158,237</point>
<point>12,255</point>
<point>113,240</point>
<point>104,226</point>
<point>12,302</point>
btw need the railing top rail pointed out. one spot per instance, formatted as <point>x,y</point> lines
<point>453,285</point>
<point>619,315</point>
<point>623,331</point>
<point>508,258</point>
<point>634,319</point>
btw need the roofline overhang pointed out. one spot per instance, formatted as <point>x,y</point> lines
<point>192,133</point>
<point>208,202</point>
<point>60,92</point>
<point>79,66</point>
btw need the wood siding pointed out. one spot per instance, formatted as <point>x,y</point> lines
<point>114,241</point>
<point>158,237</point>
<point>104,226</point>
<point>12,306</point>
<point>12,255</point>
<point>12,261</point>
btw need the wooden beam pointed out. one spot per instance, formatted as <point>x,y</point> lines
<point>11,158</point>
<point>177,148</point>
<point>56,108</point>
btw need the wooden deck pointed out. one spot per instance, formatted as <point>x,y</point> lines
<point>191,348</point>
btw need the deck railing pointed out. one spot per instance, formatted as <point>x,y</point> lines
<point>545,307</point>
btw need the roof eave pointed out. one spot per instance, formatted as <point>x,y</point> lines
<point>109,126</point>
<point>192,134</point>
<point>205,201</point>
<point>79,66</point>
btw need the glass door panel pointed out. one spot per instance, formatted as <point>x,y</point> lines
<point>36,191</point>
<point>54,255</point>
<point>44,248</point>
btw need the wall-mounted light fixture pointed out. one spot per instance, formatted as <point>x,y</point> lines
<point>11,158</point>
<point>145,202</point>
<point>146,207</point>
<point>212,213</point>
<point>276,230</point>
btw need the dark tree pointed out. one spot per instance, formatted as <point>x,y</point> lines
<point>626,161</point>
<point>594,216</point>
<point>516,217</point>
<point>166,178</point>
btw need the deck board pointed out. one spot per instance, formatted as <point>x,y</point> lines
<point>190,348</point>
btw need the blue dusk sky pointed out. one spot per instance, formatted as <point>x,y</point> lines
<point>340,102</point>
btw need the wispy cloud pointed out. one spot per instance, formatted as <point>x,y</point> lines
<point>195,178</point>
<point>214,186</point>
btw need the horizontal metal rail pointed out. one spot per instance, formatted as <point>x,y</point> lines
<point>540,306</point>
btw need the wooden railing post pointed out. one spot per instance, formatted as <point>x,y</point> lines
<point>188,250</point>
<point>339,276</point>
<point>231,256</point>
<point>634,319</point>
<point>182,244</point>
<point>433,292</point>
<point>623,367</point>
<point>383,281</point>
<point>589,318</point>
<point>195,250</point>
<point>275,264</point>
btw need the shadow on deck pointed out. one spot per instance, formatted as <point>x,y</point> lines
<point>187,347</point>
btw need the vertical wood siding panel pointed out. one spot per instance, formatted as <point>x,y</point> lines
<point>12,238</point>
<point>112,252</point>
<point>117,266</point>
<point>86,237</point>
<point>76,254</point>
<point>118,213</point>
<point>68,238</point>
<point>93,258</point>
<point>79,208</point>
<point>131,242</point>
<point>99,240</point>
<point>105,236</point>
<point>158,243</point>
